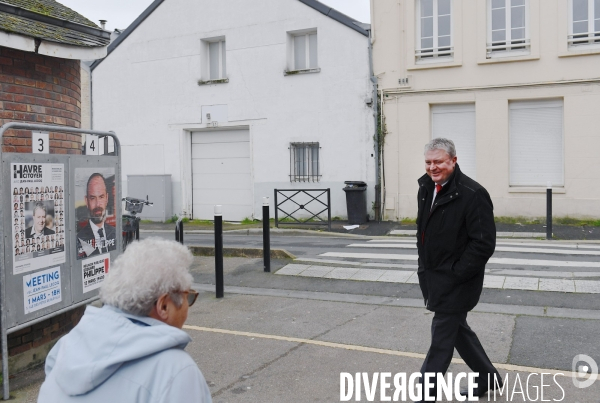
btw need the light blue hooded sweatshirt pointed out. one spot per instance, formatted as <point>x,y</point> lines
<point>111,356</point>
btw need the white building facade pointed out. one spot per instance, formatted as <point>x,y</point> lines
<point>236,98</point>
<point>515,84</point>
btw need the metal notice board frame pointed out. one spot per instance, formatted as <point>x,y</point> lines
<point>71,290</point>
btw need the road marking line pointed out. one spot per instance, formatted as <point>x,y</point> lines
<point>550,245</point>
<point>494,260</point>
<point>353,347</point>
<point>498,249</point>
<point>543,244</point>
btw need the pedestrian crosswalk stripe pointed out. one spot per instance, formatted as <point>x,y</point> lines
<point>411,277</point>
<point>493,260</point>
<point>498,249</point>
<point>354,347</point>
<point>537,244</point>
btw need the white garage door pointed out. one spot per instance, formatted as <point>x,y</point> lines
<point>221,174</point>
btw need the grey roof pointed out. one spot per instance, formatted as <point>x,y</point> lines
<point>50,21</point>
<point>336,15</point>
<point>322,8</point>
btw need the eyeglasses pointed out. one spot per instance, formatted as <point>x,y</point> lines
<point>191,296</point>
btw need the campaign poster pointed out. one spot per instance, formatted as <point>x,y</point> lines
<point>41,289</point>
<point>38,216</point>
<point>95,209</point>
<point>95,270</point>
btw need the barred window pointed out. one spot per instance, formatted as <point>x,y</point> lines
<point>584,22</point>
<point>434,27</point>
<point>304,162</point>
<point>508,30</point>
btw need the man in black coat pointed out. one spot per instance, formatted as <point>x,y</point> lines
<point>456,236</point>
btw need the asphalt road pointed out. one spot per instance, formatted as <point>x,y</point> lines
<point>539,329</point>
<point>286,338</point>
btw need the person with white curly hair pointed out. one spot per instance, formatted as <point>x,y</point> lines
<point>132,349</point>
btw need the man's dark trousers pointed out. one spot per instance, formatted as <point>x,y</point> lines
<point>450,330</point>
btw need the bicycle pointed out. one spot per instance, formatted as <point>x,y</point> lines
<point>131,222</point>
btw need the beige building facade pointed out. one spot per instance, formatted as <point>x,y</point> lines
<point>515,84</point>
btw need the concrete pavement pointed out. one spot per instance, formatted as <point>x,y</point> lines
<point>286,339</point>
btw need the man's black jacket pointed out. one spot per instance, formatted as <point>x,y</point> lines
<point>455,239</point>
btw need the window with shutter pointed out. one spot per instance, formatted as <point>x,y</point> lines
<point>457,123</point>
<point>536,143</point>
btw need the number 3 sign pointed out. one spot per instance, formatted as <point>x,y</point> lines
<point>40,143</point>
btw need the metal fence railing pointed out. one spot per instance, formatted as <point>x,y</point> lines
<point>303,207</point>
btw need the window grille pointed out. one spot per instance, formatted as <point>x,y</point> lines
<point>584,22</point>
<point>434,22</point>
<point>304,162</point>
<point>508,29</point>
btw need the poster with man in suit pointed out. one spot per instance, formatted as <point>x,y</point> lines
<point>95,211</point>
<point>35,220</point>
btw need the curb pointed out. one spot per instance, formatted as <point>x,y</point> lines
<point>258,231</point>
<point>482,307</point>
<point>241,252</point>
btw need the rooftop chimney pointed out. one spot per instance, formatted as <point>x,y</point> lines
<point>103,24</point>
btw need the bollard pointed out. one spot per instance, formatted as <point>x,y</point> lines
<point>549,212</point>
<point>179,231</point>
<point>266,236</point>
<point>219,251</point>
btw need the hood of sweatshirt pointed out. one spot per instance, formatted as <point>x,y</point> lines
<point>104,339</point>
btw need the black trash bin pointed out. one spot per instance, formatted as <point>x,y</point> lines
<point>356,202</point>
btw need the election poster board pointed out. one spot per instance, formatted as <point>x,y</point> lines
<point>95,270</point>
<point>38,226</point>
<point>41,289</point>
<point>40,271</point>
<point>95,208</point>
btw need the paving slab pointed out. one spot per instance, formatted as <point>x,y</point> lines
<point>284,316</point>
<point>547,284</point>
<point>409,329</point>
<point>293,269</point>
<point>395,276</point>
<point>368,275</point>
<point>521,283</point>
<point>494,281</point>
<point>557,341</point>
<point>316,271</point>
<point>587,286</point>
<point>342,273</point>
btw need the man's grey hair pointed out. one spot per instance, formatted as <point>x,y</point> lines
<point>147,270</point>
<point>39,205</point>
<point>442,144</point>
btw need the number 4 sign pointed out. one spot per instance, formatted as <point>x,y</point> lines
<point>91,145</point>
<point>40,143</point>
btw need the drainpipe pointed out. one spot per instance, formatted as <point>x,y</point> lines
<point>374,97</point>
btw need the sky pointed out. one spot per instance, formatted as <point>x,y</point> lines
<point>120,13</point>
